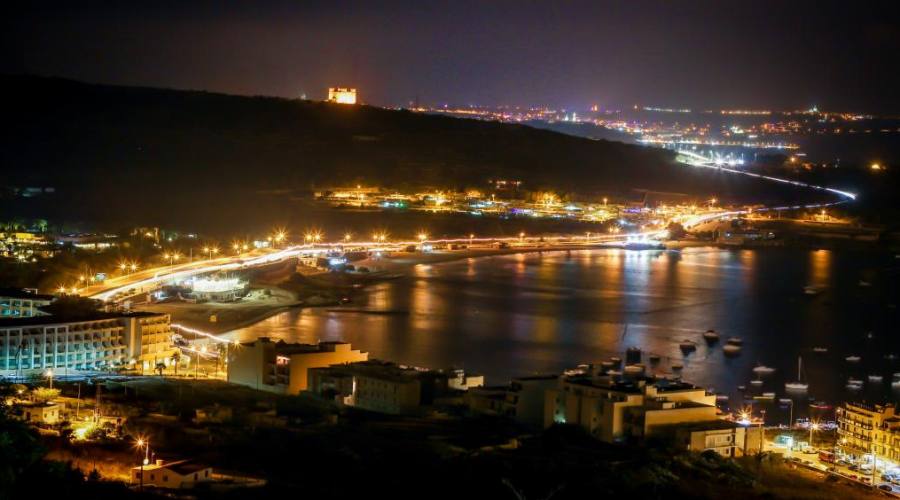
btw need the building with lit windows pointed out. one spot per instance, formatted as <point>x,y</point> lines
<point>22,303</point>
<point>869,428</point>
<point>342,95</point>
<point>105,341</point>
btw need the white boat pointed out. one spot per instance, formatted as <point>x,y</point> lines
<point>854,381</point>
<point>766,395</point>
<point>756,382</point>
<point>786,401</point>
<point>731,349</point>
<point>742,388</point>
<point>820,349</point>
<point>864,283</point>
<point>853,359</point>
<point>875,379</point>
<point>812,290</point>
<point>763,370</point>
<point>711,336</point>
<point>797,385</point>
<point>896,381</point>
<point>735,340</point>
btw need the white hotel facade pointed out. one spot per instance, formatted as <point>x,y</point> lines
<point>135,340</point>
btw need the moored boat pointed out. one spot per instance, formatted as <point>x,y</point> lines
<point>763,370</point>
<point>797,385</point>
<point>853,359</point>
<point>711,336</point>
<point>687,345</point>
<point>731,349</point>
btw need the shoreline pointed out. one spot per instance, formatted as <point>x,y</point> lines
<point>383,269</point>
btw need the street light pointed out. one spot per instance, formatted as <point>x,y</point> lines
<point>145,444</point>
<point>813,426</point>
<point>49,375</point>
<point>423,236</point>
<point>347,236</point>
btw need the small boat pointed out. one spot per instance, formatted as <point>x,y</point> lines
<point>654,358</point>
<point>711,336</point>
<point>677,368</point>
<point>756,382</point>
<point>735,340</point>
<point>853,359</point>
<point>766,396</point>
<point>864,283</point>
<point>854,385</point>
<point>820,405</point>
<point>875,379</point>
<point>786,401</point>
<point>616,361</point>
<point>890,356</point>
<point>896,381</point>
<point>763,370</point>
<point>854,381</point>
<point>687,345</point>
<point>614,373</point>
<point>812,290</point>
<point>820,349</point>
<point>797,385</point>
<point>731,349</point>
<point>742,388</point>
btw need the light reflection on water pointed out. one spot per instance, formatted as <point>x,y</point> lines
<point>530,313</point>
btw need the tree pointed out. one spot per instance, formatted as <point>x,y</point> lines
<point>43,394</point>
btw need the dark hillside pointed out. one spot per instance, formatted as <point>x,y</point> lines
<point>155,151</point>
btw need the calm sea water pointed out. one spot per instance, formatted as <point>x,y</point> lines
<point>536,313</point>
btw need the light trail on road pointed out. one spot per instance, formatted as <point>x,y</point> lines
<point>184,271</point>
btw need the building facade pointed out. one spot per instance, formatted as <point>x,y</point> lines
<point>284,368</point>
<point>865,428</point>
<point>522,400</point>
<point>342,95</point>
<point>171,475</point>
<point>617,409</point>
<point>109,341</point>
<point>21,303</point>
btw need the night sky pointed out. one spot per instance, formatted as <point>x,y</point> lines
<point>785,55</point>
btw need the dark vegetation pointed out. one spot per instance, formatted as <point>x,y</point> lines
<point>164,156</point>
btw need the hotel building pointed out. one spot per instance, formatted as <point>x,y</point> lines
<point>134,340</point>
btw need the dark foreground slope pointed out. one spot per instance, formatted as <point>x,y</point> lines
<point>153,151</point>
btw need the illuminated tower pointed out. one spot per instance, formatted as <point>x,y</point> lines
<point>342,95</point>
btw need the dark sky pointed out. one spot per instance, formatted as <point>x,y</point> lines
<point>785,54</point>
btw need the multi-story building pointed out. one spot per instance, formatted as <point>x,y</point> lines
<point>22,303</point>
<point>868,428</point>
<point>385,387</point>
<point>105,341</point>
<point>616,409</point>
<point>284,368</point>
<point>521,400</point>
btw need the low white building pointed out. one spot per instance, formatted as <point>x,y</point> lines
<point>171,475</point>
